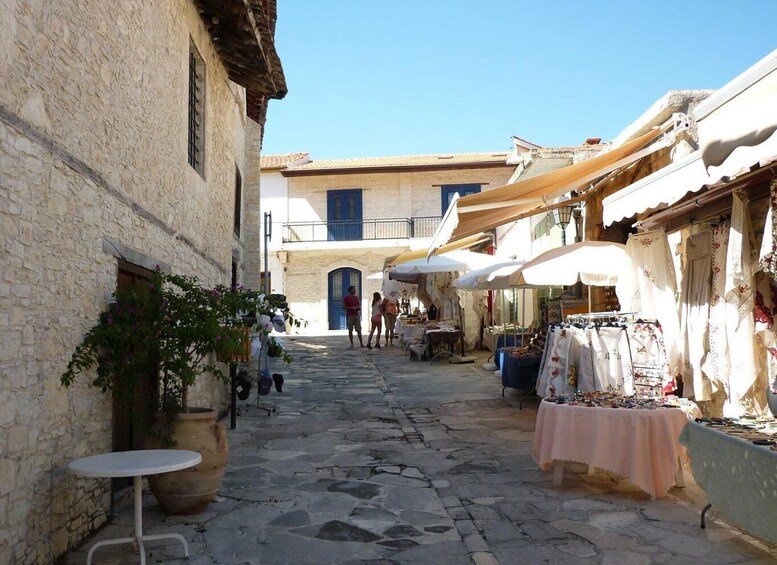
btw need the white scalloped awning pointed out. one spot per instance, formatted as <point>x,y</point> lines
<point>662,188</point>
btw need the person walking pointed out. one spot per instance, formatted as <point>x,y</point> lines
<point>353,308</point>
<point>376,320</point>
<point>390,311</point>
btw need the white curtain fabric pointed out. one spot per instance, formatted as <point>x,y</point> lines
<point>694,314</point>
<point>740,297</point>
<point>648,286</point>
<point>716,365</point>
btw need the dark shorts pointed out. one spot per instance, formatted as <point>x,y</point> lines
<point>353,322</point>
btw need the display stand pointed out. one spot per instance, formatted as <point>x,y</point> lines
<point>268,407</point>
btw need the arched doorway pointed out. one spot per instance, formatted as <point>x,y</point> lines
<point>339,281</point>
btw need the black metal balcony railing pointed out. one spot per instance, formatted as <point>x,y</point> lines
<point>400,228</point>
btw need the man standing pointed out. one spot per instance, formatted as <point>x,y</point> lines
<point>353,308</point>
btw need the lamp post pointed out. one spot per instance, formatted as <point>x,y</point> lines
<point>562,216</point>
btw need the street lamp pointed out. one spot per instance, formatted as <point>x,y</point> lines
<point>562,216</point>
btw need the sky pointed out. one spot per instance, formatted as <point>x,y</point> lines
<point>370,79</point>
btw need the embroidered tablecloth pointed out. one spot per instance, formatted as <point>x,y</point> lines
<point>641,445</point>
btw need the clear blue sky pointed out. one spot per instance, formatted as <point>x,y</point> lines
<point>370,78</point>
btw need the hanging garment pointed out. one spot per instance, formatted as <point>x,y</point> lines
<point>557,362</point>
<point>649,287</point>
<point>544,373</point>
<point>765,310</point>
<point>694,313</point>
<point>740,327</point>
<point>609,366</point>
<point>768,256</point>
<point>586,381</point>
<point>648,359</point>
<point>716,364</point>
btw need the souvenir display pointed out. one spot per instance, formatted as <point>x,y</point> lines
<point>758,430</point>
<point>614,400</point>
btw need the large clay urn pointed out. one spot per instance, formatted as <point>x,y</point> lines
<point>191,490</point>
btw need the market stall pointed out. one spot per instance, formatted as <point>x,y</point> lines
<point>636,439</point>
<point>734,462</point>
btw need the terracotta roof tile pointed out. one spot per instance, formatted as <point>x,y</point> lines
<point>281,161</point>
<point>438,160</point>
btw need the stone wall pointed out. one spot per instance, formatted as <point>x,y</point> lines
<point>93,166</point>
<point>307,282</point>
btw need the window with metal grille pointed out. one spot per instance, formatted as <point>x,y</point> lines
<point>238,200</point>
<point>196,146</point>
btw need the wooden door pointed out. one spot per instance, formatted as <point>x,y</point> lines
<point>126,433</point>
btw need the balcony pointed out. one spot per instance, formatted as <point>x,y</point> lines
<point>400,228</point>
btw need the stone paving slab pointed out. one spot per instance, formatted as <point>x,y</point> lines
<point>375,459</point>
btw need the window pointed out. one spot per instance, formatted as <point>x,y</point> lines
<point>448,190</point>
<point>238,201</point>
<point>196,146</point>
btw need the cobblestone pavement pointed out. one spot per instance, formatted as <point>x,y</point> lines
<point>373,458</point>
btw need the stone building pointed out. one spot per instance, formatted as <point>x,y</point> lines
<point>340,219</point>
<point>129,133</point>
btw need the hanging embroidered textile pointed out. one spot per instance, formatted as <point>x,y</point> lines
<point>694,313</point>
<point>649,287</point>
<point>740,327</point>
<point>716,364</point>
<point>648,359</point>
<point>768,256</point>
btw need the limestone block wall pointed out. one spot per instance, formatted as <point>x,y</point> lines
<point>307,282</point>
<point>93,166</point>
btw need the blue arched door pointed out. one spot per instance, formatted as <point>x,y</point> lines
<point>339,281</point>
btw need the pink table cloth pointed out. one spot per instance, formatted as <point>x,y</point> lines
<point>641,445</point>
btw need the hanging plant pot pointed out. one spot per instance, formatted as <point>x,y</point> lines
<point>190,491</point>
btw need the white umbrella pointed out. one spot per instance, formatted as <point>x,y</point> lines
<point>473,279</point>
<point>594,263</point>
<point>447,262</point>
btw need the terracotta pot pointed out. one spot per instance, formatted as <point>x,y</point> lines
<point>190,491</point>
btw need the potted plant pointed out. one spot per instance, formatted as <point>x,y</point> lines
<point>182,329</point>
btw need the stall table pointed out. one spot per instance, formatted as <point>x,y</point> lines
<point>443,341</point>
<point>639,444</point>
<point>136,464</point>
<point>518,372</point>
<point>737,476</point>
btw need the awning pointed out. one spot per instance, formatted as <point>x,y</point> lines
<point>493,208</point>
<point>419,253</point>
<point>737,124</point>
<point>409,278</point>
<point>595,263</point>
<point>474,279</point>
<point>662,188</point>
<point>447,262</point>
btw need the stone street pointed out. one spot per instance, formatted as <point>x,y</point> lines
<point>373,458</point>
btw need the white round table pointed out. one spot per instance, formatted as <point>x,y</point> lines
<point>136,464</point>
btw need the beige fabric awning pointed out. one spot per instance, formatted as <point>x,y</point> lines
<point>465,243</point>
<point>661,188</point>
<point>741,115</point>
<point>492,208</point>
